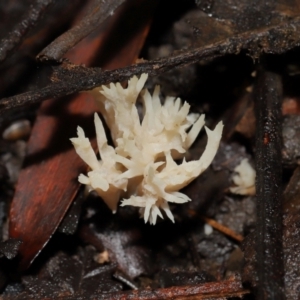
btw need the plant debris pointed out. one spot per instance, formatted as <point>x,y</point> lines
<point>236,61</point>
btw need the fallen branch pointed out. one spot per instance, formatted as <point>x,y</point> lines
<point>99,13</point>
<point>269,252</point>
<point>275,39</point>
<point>29,20</point>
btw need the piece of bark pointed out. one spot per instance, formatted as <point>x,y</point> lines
<point>208,291</point>
<point>238,117</point>
<point>48,183</point>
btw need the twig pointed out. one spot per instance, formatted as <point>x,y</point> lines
<point>29,20</point>
<point>276,39</point>
<point>269,254</point>
<point>222,228</point>
<point>102,10</point>
<point>207,291</point>
<point>218,226</point>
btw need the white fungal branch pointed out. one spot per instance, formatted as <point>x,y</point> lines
<point>141,167</point>
<point>244,179</point>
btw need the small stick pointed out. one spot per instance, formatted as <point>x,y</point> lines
<point>269,252</point>
<point>29,20</point>
<point>224,229</point>
<point>220,227</point>
<point>274,39</point>
<point>102,10</point>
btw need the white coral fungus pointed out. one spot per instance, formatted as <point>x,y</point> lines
<point>141,167</point>
<point>244,179</point>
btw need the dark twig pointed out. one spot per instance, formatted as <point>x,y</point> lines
<point>29,20</point>
<point>206,291</point>
<point>277,39</point>
<point>269,253</point>
<point>101,11</point>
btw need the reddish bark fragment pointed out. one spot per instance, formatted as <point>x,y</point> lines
<point>210,290</point>
<point>48,182</point>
